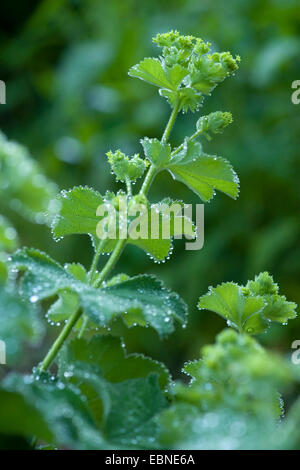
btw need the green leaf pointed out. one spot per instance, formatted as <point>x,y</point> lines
<point>157,152</point>
<point>21,418</point>
<point>277,308</point>
<point>123,392</point>
<point>49,411</point>
<point>250,308</point>
<point>204,173</point>
<point>19,324</point>
<point>143,298</point>
<point>76,212</point>
<point>188,98</point>
<point>66,304</point>
<point>134,406</point>
<point>109,355</point>
<point>243,313</point>
<point>151,70</point>
<point>77,270</point>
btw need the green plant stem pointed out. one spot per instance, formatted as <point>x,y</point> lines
<point>96,259</point>
<point>153,170</point>
<point>111,261</point>
<point>60,340</point>
<point>148,180</point>
<point>83,326</point>
<point>128,186</point>
<point>192,137</point>
<point>171,122</point>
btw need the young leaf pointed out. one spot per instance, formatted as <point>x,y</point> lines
<point>243,313</point>
<point>151,70</point>
<point>251,308</point>
<point>204,173</point>
<point>66,304</point>
<point>158,154</point>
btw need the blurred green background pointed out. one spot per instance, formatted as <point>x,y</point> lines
<point>70,100</point>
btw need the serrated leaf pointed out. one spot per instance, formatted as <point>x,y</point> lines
<point>151,70</point>
<point>277,308</point>
<point>66,304</point>
<point>77,270</point>
<point>157,152</point>
<point>204,173</point>
<point>76,212</point>
<point>143,297</point>
<point>109,355</point>
<point>243,313</point>
<point>188,98</point>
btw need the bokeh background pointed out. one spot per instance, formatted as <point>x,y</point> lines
<point>70,100</point>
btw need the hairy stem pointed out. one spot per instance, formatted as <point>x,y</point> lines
<point>60,340</point>
<point>111,262</point>
<point>128,186</point>
<point>171,122</point>
<point>96,259</point>
<point>192,137</point>
<point>96,281</point>
<point>83,326</point>
<point>148,180</point>
<point>152,170</point>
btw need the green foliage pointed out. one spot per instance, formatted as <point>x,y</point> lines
<point>203,173</point>
<point>249,309</point>
<point>77,213</point>
<point>186,70</point>
<point>102,397</point>
<point>158,153</point>
<point>140,300</point>
<point>19,323</point>
<point>232,401</point>
<point>23,183</point>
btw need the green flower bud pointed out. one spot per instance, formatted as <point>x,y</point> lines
<point>214,122</point>
<point>125,167</point>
